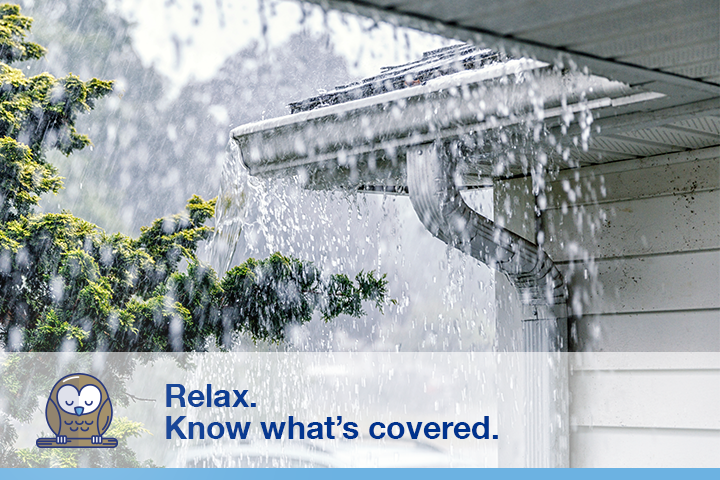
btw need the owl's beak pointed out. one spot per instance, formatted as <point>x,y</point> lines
<point>78,411</point>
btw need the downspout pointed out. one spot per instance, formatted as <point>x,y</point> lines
<point>437,201</point>
<point>544,420</point>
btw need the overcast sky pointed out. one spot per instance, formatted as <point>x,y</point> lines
<point>189,40</point>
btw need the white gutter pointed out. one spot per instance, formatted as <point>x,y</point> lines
<point>375,144</point>
<point>382,127</point>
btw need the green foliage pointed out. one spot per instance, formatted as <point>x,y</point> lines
<point>271,292</point>
<point>66,284</point>
<point>13,30</point>
<point>36,113</point>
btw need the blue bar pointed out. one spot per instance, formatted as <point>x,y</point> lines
<point>358,474</point>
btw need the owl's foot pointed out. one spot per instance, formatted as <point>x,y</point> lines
<point>96,439</point>
<point>61,439</point>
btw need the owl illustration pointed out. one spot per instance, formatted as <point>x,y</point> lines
<point>79,408</point>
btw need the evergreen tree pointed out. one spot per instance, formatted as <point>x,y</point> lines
<point>65,283</point>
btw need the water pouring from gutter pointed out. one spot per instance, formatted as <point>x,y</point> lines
<point>460,118</point>
<point>236,186</point>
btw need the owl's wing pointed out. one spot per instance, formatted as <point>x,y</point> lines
<point>52,415</point>
<point>104,417</point>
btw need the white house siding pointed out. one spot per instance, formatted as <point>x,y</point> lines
<point>645,409</point>
<point>639,243</point>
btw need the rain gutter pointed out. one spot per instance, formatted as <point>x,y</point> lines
<point>399,142</point>
<point>363,143</point>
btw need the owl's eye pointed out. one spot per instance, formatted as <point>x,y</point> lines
<point>68,397</point>
<point>90,397</point>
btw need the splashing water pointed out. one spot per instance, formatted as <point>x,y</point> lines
<point>444,297</point>
<point>237,187</point>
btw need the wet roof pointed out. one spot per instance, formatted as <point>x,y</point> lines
<point>433,64</point>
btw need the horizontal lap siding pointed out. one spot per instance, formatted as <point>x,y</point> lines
<point>645,410</point>
<point>676,282</point>
<point>643,447</point>
<point>647,399</point>
<point>656,225</point>
<point>639,244</point>
<point>669,331</point>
